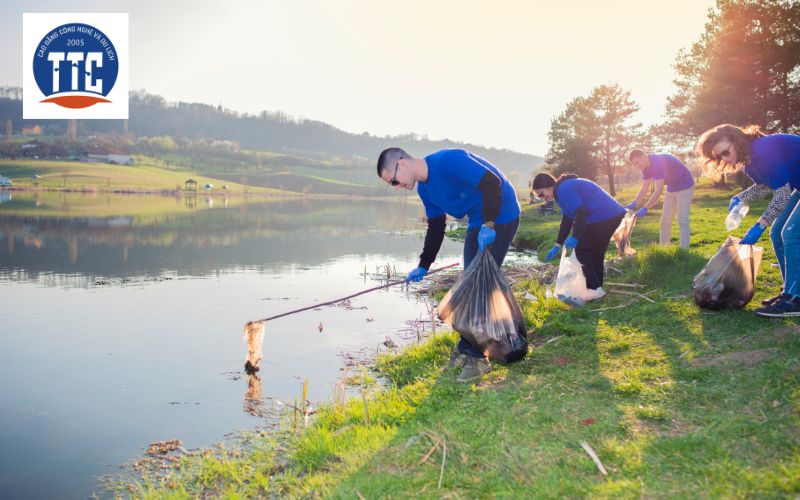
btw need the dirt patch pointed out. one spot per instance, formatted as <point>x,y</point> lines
<point>746,359</point>
<point>787,334</point>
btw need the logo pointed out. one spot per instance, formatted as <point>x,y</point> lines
<point>76,66</point>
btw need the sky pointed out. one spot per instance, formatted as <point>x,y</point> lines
<point>488,73</point>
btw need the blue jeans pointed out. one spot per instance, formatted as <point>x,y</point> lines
<point>785,235</point>
<point>504,235</point>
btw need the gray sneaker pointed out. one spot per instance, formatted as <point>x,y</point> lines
<point>457,359</point>
<point>474,368</point>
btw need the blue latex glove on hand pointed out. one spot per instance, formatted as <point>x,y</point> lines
<point>416,274</point>
<point>630,206</point>
<point>571,242</point>
<point>552,253</point>
<point>734,201</point>
<point>485,237</point>
<point>641,212</point>
<point>752,235</point>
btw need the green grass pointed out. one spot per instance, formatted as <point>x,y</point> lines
<point>676,401</point>
<point>82,176</point>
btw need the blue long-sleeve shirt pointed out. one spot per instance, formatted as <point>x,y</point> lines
<point>775,161</point>
<point>583,202</point>
<point>452,188</point>
<point>575,193</point>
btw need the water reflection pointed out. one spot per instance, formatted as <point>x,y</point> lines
<point>131,309</point>
<point>197,242</point>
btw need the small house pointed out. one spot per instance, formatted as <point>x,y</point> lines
<point>108,155</point>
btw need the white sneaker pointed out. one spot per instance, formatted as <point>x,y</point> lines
<point>597,294</point>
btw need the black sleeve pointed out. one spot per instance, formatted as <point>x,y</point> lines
<point>579,226</point>
<point>489,187</point>
<point>564,229</point>
<point>433,241</point>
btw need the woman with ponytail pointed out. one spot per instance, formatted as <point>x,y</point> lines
<point>592,216</point>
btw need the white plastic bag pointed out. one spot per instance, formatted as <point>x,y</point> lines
<point>570,282</point>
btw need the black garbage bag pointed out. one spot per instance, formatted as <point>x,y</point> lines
<point>728,280</point>
<point>481,307</point>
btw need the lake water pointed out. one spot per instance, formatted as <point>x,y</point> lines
<point>122,319</point>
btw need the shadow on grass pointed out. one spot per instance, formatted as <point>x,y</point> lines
<point>624,380</point>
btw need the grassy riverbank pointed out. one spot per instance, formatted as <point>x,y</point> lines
<point>675,401</point>
<point>99,177</point>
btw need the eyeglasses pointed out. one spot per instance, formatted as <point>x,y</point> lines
<point>726,153</point>
<point>393,181</point>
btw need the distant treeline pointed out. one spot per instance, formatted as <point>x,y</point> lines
<point>152,116</point>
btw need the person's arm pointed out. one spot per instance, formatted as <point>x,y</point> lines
<point>489,186</point>
<point>779,201</point>
<point>433,240</point>
<point>656,194</point>
<point>755,192</point>
<point>564,229</point>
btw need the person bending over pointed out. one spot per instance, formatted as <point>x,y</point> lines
<point>773,164</point>
<point>458,183</point>
<point>664,169</point>
<point>591,214</point>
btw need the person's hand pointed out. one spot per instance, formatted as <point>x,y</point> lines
<point>485,237</point>
<point>753,234</point>
<point>552,253</point>
<point>734,201</point>
<point>630,206</point>
<point>641,212</point>
<point>571,242</point>
<point>416,274</point>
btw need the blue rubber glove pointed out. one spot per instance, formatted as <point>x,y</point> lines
<point>552,253</point>
<point>571,242</point>
<point>734,201</point>
<point>752,235</point>
<point>630,206</point>
<point>641,213</point>
<point>485,237</point>
<point>416,274</point>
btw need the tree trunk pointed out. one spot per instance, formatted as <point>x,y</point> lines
<point>610,174</point>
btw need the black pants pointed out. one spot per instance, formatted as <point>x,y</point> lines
<point>591,249</point>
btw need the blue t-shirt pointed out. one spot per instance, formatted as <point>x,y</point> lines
<point>575,193</point>
<point>665,166</point>
<point>775,160</point>
<point>452,187</point>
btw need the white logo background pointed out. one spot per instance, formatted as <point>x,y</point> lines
<point>36,26</point>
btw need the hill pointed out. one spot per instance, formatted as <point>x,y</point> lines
<point>270,148</point>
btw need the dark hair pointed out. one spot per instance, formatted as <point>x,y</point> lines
<point>636,153</point>
<point>389,157</point>
<point>543,180</point>
<point>741,137</point>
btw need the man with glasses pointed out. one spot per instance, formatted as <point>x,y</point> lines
<point>664,169</point>
<point>458,183</point>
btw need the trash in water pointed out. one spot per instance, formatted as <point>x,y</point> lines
<point>163,447</point>
<point>254,339</point>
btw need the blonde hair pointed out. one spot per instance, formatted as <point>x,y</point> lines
<point>740,137</point>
